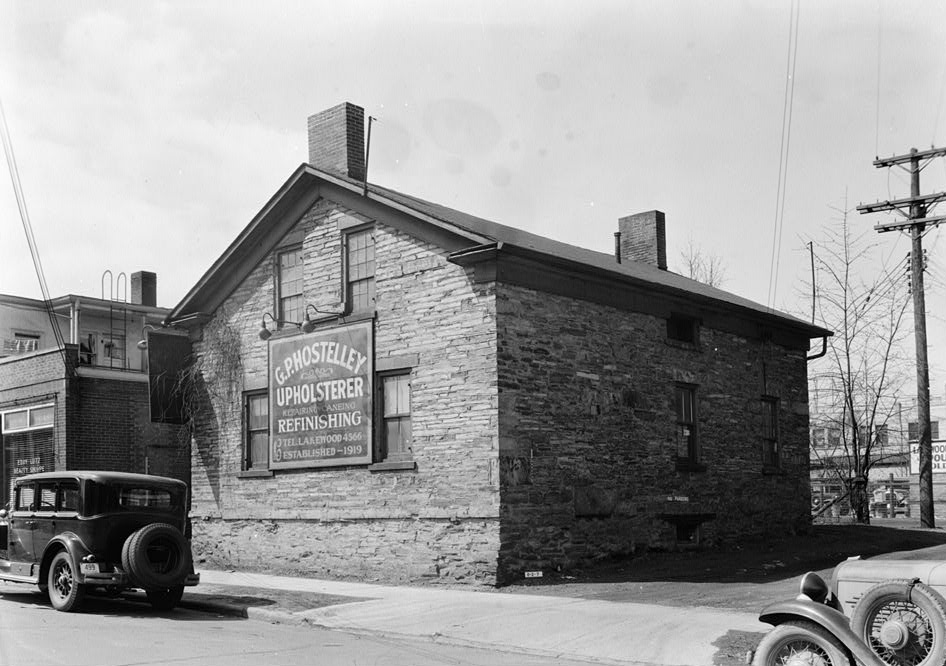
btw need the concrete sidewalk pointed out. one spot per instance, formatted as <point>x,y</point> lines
<point>600,631</point>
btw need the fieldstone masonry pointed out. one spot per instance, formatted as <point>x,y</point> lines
<point>543,429</point>
<point>440,521</point>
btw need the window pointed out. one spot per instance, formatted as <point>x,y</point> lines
<point>913,431</point>
<point>687,442</point>
<point>359,258</point>
<point>770,446</point>
<point>115,347</point>
<point>24,497</point>
<point>21,343</point>
<point>46,496</point>
<point>289,286</point>
<point>256,438</point>
<point>681,328</point>
<point>395,396</point>
<point>145,498</point>
<point>68,496</point>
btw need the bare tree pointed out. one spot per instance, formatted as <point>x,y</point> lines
<point>702,267</point>
<point>856,385</point>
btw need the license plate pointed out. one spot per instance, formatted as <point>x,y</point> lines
<point>90,567</point>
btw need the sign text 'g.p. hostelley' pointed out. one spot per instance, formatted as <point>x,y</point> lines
<point>320,398</point>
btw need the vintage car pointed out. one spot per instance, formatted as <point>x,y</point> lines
<point>69,532</point>
<point>874,612</point>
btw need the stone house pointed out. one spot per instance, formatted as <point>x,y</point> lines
<point>386,388</point>
<point>85,404</point>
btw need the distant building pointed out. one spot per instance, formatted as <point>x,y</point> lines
<point>85,406</point>
<point>395,390</point>
<point>894,454</point>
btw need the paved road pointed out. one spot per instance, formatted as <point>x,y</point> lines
<point>120,632</point>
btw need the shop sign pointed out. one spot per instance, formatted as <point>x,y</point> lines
<point>320,398</point>
<point>938,460</point>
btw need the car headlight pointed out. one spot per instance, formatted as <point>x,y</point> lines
<point>813,586</point>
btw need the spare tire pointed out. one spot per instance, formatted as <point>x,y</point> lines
<point>157,556</point>
<point>903,622</point>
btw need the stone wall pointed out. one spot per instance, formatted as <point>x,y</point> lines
<point>587,438</point>
<point>440,520</point>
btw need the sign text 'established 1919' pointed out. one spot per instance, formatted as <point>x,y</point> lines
<point>320,398</point>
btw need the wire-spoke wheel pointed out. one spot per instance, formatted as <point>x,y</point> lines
<point>800,643</point>
<point>904,623</point>
<point>65,592</point>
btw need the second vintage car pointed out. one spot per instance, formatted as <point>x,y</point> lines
<point>71,531</point>
<point>875,612</point>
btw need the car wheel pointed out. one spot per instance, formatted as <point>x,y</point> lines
<point>800,642</point>
<point>158,556</point>
<point>165,600</point>
<point>65,592</point>
<point>903,622</point>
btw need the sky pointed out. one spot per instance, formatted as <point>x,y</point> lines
<point>148,134</point>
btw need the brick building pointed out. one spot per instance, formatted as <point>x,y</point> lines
<point>86,405</point>
<point>391,389</point>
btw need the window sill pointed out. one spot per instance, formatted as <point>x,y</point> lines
<point>361,315</point>
<point>255,474</point>
<point>685,465</point>
<point>392,466</point>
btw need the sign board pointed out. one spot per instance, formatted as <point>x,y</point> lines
<point>939,457</point>
<point>168,356</point>
<point>320,398</point>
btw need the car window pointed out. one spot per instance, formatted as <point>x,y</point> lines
<point>46,497</point>
<point>24,497</point>
<point>68,496</point>
<point>151,498</point>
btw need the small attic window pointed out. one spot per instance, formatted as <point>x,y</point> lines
<point>681,328</point>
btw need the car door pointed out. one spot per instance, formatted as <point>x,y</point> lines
<point>22,523</point>
<point>44,517</point>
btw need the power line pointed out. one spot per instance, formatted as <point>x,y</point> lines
<point>28,229</point>
<point>784,143</point>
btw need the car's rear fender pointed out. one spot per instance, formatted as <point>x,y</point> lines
<point>69,542</point>
<point>832,620</point>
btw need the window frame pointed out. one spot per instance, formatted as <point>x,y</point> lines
<point>246,463</point>
<point>771,435</point>
<point>351,307</point>
<point>383,451</point>
<point>282,316</point>
<point>693,460</point>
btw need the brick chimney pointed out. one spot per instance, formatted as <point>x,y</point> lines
<point>144,288</point>
<point>337,140</point>
<point>644,238</point>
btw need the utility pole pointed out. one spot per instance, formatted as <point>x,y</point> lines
<point>914,209</point>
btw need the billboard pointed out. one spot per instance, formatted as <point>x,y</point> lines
<point>320,398</point>
<point>938,461</point>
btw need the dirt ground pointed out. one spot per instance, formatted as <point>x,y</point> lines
<point>744,577</point>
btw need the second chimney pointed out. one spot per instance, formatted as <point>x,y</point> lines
<point>144,288</point>
<point>337,140</point>
<point>644,238</point>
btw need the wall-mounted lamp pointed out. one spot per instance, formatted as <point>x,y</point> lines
<point>143,343</point>
<point>309,324</point>
<point>265,333</point>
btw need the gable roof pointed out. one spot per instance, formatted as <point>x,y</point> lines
<point>467,233</point>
